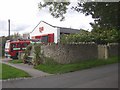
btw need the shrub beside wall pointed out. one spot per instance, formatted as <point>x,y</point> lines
<point>37,57</point>
<point>99,36</point>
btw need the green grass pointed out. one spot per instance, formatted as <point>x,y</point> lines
<point>15,61</point>
<point>0,70</point>
<point>59,68</point>
<point>11,72</point>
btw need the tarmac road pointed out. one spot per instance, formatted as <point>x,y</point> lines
<point>99,77</point>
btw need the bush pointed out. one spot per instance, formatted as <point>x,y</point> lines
<point>3,40</point>
<point>37,59</point>
<point>105,36</point>
<point>83,36</point>
<point>99,36</point>
<point>27,53</point>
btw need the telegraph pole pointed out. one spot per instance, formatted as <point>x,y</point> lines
<point>9,28</point>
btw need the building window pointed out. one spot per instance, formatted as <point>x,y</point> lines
<point>44,39</point>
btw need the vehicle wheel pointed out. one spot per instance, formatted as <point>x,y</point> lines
<point>15,57</point>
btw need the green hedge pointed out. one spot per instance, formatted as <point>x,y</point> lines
<point>98,36</point>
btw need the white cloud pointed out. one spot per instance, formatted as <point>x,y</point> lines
<point>25,15</point>
<point>18,10</point>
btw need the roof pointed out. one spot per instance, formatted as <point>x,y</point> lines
<point>62,29</point>
<point>68,30</point>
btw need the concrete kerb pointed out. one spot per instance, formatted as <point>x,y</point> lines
<point>22,78</point>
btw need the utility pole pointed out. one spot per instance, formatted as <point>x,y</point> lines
<point>9,28</point>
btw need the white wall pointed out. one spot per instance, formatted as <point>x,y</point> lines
<point>47,30</point>
<point>58,35</point>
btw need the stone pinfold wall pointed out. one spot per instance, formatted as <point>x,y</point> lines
<point>105,51</point>
<point>113,49</point>
<point>70,53</point>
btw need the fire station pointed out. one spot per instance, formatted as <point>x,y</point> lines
<point>49,33</point>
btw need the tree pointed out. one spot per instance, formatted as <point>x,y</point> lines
<point>105,14</point>
<point>104,36</point>
<point>57,9</point>
<point>99,36</point>
<point>2,45</point>
<point>15,36</point>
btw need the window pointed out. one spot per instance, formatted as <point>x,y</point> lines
<point>44,39</point>
<point>19,45</point>
<point>13,45</point>
<point>25,44</point>
<point>7,45</point>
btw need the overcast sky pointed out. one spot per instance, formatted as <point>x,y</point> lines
<point>25,15</point>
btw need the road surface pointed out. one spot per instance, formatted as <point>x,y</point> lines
<point>99,77</point>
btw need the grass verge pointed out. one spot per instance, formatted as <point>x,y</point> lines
<point>11,72</point>
<point>15,61</point>
<point>64,68</point>
<point>0,70</point>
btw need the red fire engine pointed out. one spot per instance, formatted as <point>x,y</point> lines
<point>13,47</point>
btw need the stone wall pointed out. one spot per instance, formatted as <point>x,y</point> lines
<point>113,49</point>
<point>102,52</point>
<point>105,51</point>
<point>71,53</point>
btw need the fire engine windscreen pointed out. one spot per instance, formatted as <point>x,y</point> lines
<point>7,45</point>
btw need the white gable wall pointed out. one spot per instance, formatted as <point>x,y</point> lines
<point>47,30</point>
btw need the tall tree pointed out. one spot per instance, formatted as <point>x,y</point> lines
<point>56,9</point>
<point>105,14</point>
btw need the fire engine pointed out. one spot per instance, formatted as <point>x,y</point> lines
<point>12,48</point>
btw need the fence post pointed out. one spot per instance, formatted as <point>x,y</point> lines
<point>106,52</point>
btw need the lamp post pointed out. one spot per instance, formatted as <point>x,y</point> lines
<point>9,28</point>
